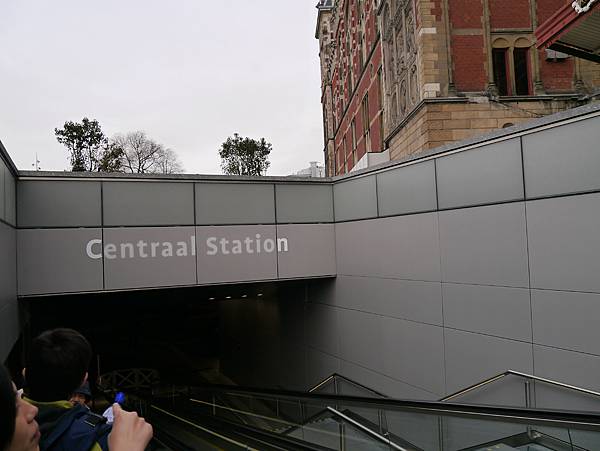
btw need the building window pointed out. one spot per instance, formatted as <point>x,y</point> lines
<point>380,88</point>
<point>500,58</point>
<point>366,122</point>
<point>520,56</point>
<point>361,54</point>
<point>511,66</point>
<point>345,156</point>
<point>325,123</point>
<point>353,141</point>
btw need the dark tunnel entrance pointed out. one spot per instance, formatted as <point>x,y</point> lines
<point>183,333</point>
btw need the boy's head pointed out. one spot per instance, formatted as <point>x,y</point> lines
<point>57,364</point>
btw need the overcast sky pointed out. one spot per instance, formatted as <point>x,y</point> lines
<point>187,72</point>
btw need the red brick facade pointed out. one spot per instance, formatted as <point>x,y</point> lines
<point>386,63</point>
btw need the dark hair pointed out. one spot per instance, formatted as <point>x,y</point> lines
<point>8,409</point>
<point>57,362</point>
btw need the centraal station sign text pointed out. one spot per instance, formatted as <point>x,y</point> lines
<point>213,245</point>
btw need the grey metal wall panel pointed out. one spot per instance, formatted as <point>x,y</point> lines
<point>319,366</point>
<point>10,198</point>
<point>406,299</point>
<point>8,262</point>
<point>402,247</point>
<point>576,438</point>
<point>3,175</point>
<point>360,335</point>
<point>463,433</point>
<point>311,250</point>
<point>413,353</point>
<point>421,430</point>
<point>492,173</point>
<point>322,328</point>
<point>234,203</point>
<point>55,261</point>
<point>59,204</point>
<point>562,160</point>
<point>148,203</point>
<point>9,327</point>
<point>165,258</point>
<point>304,203</point>
<point>355,199</point>
<point>471,358</point>
<point>500,311</point>
<point>9,318</point>
<point>485,245</point>
<point>407,190</point>
<point>570,367</point>
<point>564,249</point>
<point>217,266</point>
<point>566,320</point>
<point>384,384</point>
<point>289,361</point>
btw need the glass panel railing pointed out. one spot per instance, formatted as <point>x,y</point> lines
<point>344,422</point>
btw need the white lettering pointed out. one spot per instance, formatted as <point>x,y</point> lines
<point>237,247</point>
<point>224,242</point>
<point>182,249</point>
<point>269,245</point>
<point>96,249</point>
<point>213,249</point>
<point>248,241</point>
<point>89,250</point>
<point>110,251</point>
<point>282,245</point>
<point>129,247</point>
<point>141,245</point>
<point>167,249</point>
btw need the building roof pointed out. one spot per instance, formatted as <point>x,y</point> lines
<point>574,29</point>
<point>322,6</point>
<point>325,4</point>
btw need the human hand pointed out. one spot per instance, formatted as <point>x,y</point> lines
<point>129,432</point>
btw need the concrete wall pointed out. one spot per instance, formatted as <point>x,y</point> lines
<point>59,220</point>
<point>487,260</point>
<point>457,268</point>
<point>9,316</point>
<point>449,269</point>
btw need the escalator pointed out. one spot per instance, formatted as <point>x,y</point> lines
<point>234,418</point>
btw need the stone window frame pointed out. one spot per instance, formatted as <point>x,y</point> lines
<point>510,42</point>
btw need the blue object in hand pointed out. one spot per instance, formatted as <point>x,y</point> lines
<point>120,398</point>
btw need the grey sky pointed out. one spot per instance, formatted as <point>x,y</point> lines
<point>187,72</point>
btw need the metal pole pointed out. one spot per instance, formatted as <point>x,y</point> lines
<point>528,404</point>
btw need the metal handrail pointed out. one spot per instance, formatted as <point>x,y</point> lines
<point>204,429</point>
<point>334,376</point>
<point>520,374</point>
<point>363,428</point>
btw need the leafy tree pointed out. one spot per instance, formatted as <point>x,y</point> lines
<point>111,159</point>
<point>141,154</point>
<point>88,147</point>
<point>245,156</point>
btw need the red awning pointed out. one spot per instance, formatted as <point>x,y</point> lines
<point>574,29</point>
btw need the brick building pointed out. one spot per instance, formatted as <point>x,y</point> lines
<point>403,76</point>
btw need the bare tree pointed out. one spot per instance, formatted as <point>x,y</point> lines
<point>168,162</point>
<point>144,155</point>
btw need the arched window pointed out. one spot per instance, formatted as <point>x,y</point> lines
<point>511,66</point>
